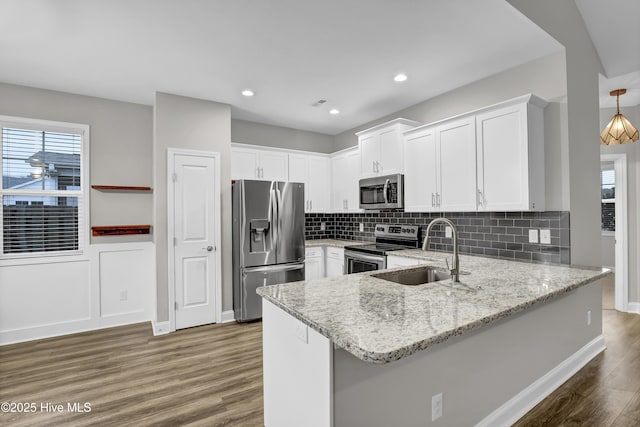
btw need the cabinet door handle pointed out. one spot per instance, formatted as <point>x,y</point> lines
<point>438,199</point>
<point>258,172</point>
<point>480,198</point>
<point>310,205</point>
<point>433,200</point>
<point>261,172</point>
<point>373,166</point>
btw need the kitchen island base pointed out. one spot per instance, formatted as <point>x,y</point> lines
<point>489,376</point>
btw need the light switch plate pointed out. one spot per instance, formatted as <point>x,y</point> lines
<point>323,226</point>
<point>545,237</point>
<point>533,236</point>
<point>361,227</point>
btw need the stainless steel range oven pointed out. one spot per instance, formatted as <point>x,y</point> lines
<point>389,237</point>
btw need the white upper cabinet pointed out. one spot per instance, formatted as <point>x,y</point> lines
<point>510,146</point>
<point>421,169</point>
<point>455,144</point>
<point>381,148</point>
<point>488,160</point>
<point>440,167</point>
<point>313,171</point>
<point>345,167</point>
<point>254,163</point>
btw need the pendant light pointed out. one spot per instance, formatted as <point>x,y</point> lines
<point>619,130</point>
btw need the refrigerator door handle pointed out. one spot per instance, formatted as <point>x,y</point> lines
<point>272,214</point>
<point>278,205</point>
<point>274,268</point>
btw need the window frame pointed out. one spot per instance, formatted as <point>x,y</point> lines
<point>83,194</point>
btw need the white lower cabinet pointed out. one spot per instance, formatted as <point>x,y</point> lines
<point>394,261</point>
<point>314,263</point>
<point>334,262</point>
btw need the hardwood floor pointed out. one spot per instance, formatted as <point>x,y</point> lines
<point>209,376</point>
<point>212,376</point>
<point>606,392</point>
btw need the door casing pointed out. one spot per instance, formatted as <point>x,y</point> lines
<point>171,153</point>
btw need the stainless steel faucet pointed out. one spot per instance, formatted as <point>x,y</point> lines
<point>455,267</point>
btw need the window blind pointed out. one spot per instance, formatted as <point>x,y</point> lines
<point>41,191</point>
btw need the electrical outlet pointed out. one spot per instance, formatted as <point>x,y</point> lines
<point>447,232</point>
<point>436,407</point>
<point>323,226</point>
<point>124,295</point>
<point>588,317</point>
<point>361,227</point>
<point>533,236</point>
<point>545,237</point>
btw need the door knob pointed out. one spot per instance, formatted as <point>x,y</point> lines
<point>209,248</point>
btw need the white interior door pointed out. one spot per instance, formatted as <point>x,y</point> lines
<point>196,233</point>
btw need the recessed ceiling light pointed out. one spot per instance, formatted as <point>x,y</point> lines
<point>248,93</point>
<point>334,111</point>
<point>400,77</point>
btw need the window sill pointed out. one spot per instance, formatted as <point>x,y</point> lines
<point>16,260</point>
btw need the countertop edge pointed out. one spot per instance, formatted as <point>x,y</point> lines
<point>400,353</point>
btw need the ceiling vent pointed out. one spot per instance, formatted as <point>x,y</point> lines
<point>319,102</point>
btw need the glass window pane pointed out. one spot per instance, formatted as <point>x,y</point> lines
<point>38,160</point>
<point>39,224</point>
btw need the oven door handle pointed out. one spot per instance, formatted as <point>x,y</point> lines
<point>363,256</point>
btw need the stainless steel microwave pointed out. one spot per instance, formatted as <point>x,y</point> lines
<point>382,192</point>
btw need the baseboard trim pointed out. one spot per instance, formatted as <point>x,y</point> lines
<point>633,307</point>
<point>69,327</point>
<point>516,407</point>
<point>227,316</point>
<point>161,328</point>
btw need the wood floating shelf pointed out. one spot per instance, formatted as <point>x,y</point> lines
<point>119,188</point>
<point>120,230</point>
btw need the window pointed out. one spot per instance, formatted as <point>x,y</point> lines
<point>43,188</point>
<point>608,192</point>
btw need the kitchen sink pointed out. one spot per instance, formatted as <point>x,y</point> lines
<point>414,276</point>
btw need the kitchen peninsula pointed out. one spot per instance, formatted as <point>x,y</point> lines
<point>358,350</point>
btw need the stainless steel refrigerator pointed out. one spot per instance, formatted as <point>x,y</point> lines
<point>268,240</point>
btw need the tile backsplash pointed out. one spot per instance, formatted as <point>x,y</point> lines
<point>497,234</point>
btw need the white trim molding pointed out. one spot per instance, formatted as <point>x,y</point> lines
<point>171,297</point>
<point>633,307</point>
<point>161,328</point>
<point>622,231</point>
<point>516,407</point>
<point>227,316</point>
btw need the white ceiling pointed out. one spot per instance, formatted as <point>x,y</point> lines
<point>291,52</point>
<point>615,32</point>
<point>294,52</point>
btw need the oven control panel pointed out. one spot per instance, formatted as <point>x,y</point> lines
<point>398,231</point>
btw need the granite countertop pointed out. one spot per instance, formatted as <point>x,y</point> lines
<point>333,242</point>
<point>380,321</point>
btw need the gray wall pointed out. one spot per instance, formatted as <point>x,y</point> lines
<point>276,136</point>
<point>120,143</point>
<point>196,124</point>
<point>633,201</point>
<point>563,21</point>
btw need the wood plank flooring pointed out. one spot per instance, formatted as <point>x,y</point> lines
<point>606,392</point>
<point>212,376</point>
<point>209,376</point>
